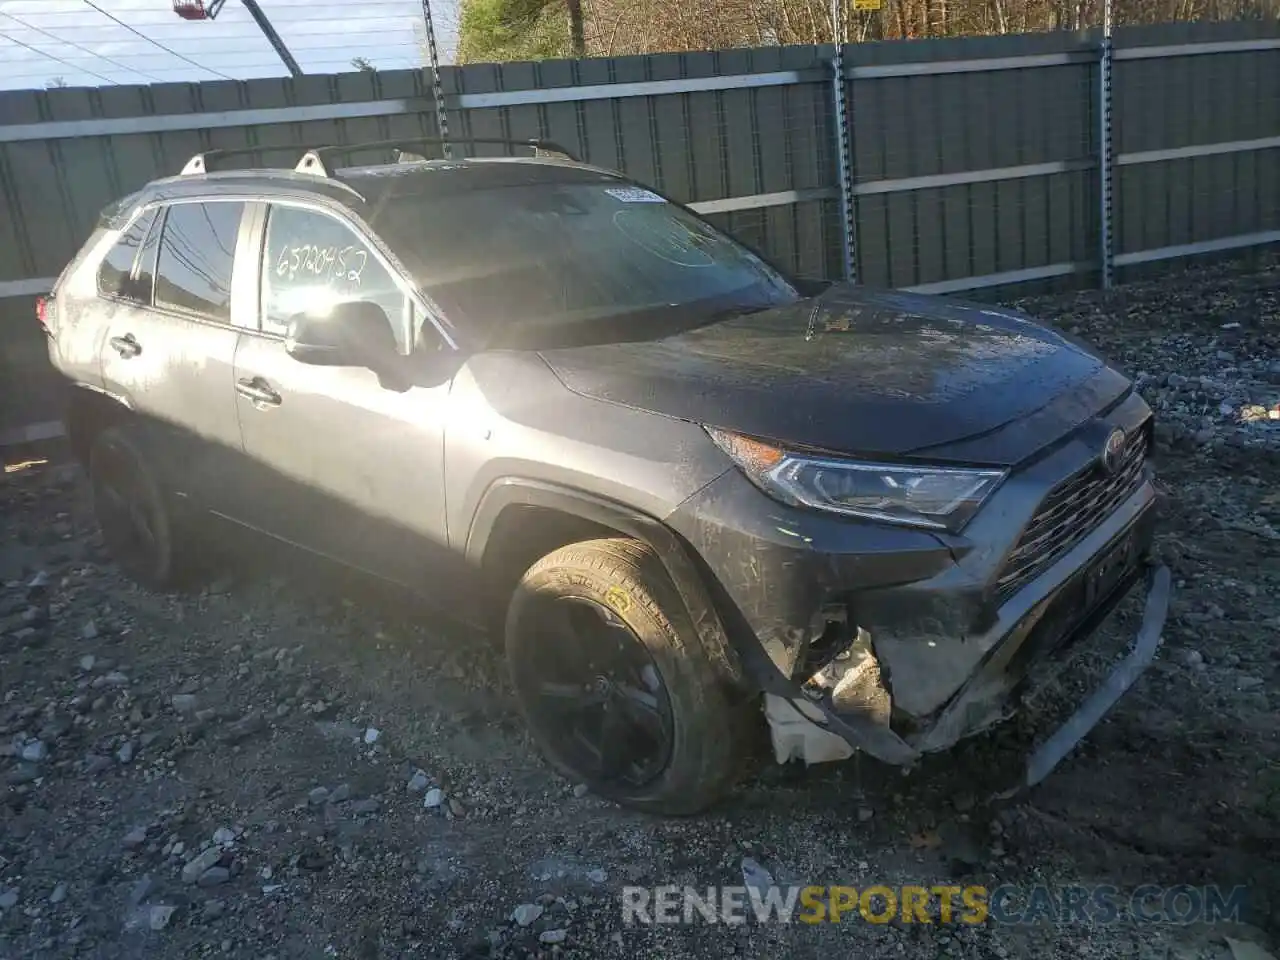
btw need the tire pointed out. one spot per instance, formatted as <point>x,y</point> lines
<point>126,492</point>
<point>708,724</point>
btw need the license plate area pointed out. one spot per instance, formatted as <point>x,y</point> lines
<point>1106,572</point>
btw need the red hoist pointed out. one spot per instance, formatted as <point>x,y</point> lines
<point>197,9</point>
<point>208,9</point>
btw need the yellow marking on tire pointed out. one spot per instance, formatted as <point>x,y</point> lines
<point>618,598</point>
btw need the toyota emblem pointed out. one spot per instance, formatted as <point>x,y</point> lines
<point>1112,451</point>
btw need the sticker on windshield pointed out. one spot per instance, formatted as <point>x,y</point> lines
<point>634,195</point>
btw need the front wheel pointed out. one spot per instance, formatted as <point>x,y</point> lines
<point>617,686</point>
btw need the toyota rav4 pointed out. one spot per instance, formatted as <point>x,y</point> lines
<point>695,494</point>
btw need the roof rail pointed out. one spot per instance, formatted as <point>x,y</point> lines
<point>199,163</point>
<point>313,160</point>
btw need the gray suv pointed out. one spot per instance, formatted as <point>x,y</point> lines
<point>698,497</point>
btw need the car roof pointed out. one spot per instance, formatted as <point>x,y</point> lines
<point>373,185</point>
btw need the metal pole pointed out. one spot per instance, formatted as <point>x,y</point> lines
<point>1106,252</point>
<point>442,120</point>
<point>848,223</point>
<point>273,38</point>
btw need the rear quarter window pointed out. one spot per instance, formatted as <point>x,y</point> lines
<point>115,273</point>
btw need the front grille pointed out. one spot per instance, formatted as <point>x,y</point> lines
<point>1066,516</point>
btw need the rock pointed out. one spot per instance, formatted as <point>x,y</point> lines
<point>243,729</point>
<point>113,679</point>
<point>341,793</point>
<point>597,875</point>
<point>755,876</point>
<point>35,752</point>
<point>134,838</point>
<point>158,917</point>
<point>9,898</point>
<point>89,631</point>
<point>456,807</point>
<point>581,790</point>
<point>201,862</point>
<point>418,782</point>
<point>185,702</point>
<point>59,893</point>
<point>433,799</point>
<point>526,913</point>
<point>88,662</point>
<point>141,890</point>
<point>1193,659</point>
<point>371,735</point>
<point>213,909</point>
<point>24,773</point>
<point>318,796</point>
<point>1249,683</point>
<point>224,836</point>
<point>214,877</point>
<point>865,814</point>
<point>125,753</point>
<point>95,764</point>
<point>366,807</point>
<point>553,936</point>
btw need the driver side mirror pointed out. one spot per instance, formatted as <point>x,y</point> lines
<point>352,334</point>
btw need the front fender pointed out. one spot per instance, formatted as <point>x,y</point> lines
<point>670,549</point>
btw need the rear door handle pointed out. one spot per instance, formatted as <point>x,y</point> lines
<point>259,391</point>
<point>127,346</point>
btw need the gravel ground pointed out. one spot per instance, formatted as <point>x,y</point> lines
<point>304,768</point>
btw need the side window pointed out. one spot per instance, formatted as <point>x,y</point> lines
<point>117,267</point>
<point>312,261</point>
<point>197,248</point>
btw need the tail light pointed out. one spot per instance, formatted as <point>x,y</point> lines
<point>44,307</point>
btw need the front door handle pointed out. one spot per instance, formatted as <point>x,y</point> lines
<point>259,391</point>
<point>127,346</point>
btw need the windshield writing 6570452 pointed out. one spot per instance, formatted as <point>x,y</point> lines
<point>338,266</point>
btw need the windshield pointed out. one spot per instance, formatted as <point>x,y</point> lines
<point>530,263</point>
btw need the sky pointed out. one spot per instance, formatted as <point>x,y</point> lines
<point>94,43</point>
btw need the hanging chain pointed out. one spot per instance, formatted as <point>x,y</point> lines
<point>442,120</point>
<point>844,148</point>
<point>1106,202</point>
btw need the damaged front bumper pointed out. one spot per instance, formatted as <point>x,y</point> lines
<point>801,728</point>
<point>897,642</point>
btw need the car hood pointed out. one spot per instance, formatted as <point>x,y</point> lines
<point>858,371</point>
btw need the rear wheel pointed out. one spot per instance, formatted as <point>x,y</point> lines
<point>139,525</point>
<point>616,684</point>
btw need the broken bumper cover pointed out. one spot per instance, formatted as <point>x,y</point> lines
<point>801,728</point>
<point>929,652</point>
<point>1059,744</point>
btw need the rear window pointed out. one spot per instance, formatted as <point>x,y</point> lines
<point>511,262</point>
<point>116,269</point>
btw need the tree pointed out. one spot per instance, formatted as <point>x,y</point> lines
<point>363,65</point>
<point>55,83</point>
<point>495,30</point>
<point>540,29</point>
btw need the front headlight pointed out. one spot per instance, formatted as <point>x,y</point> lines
<point>940,498</point>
